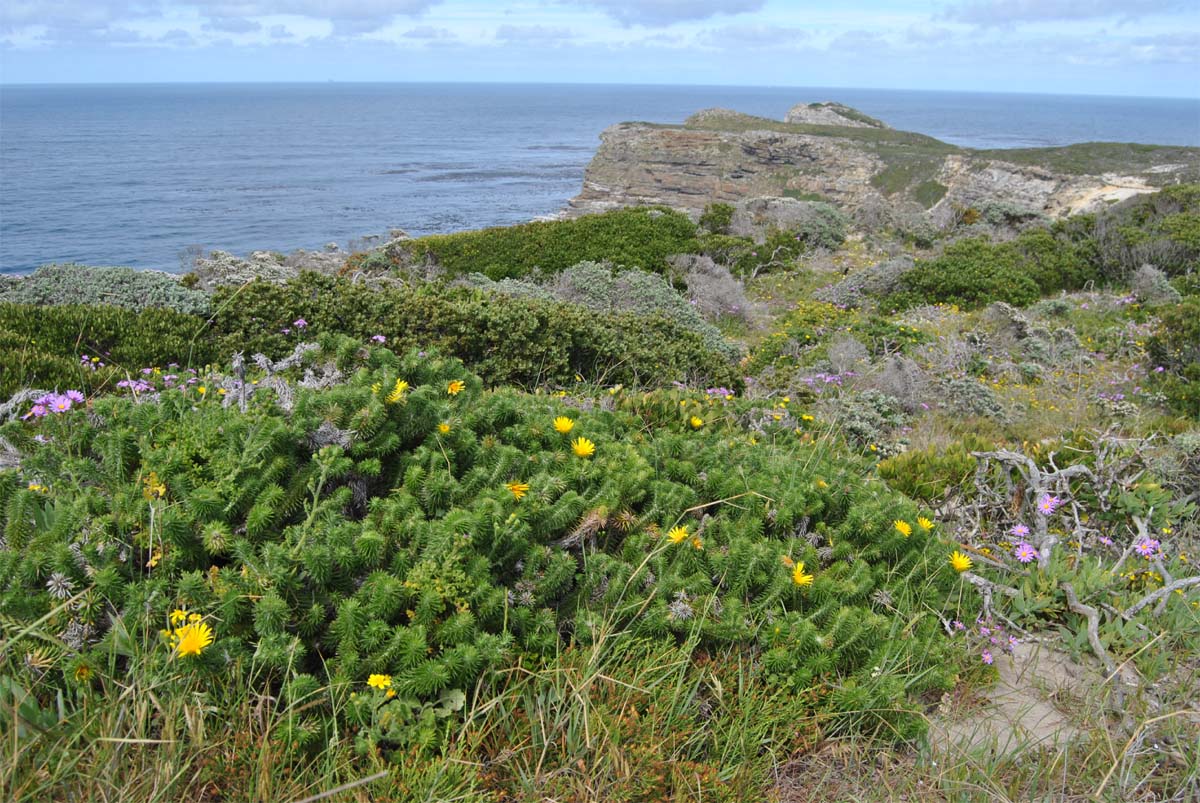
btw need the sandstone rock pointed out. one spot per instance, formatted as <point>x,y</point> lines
<point>857,163</point>
<point>831,114</point>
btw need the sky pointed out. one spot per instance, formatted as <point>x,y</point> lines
<point>1095,47</point>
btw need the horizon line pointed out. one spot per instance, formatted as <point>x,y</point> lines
<point>334,81</point>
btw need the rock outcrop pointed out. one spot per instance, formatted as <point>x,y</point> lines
<point>831,114</point>
<point>844,157</point>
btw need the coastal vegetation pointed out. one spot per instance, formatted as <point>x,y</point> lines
<point>617,508</point>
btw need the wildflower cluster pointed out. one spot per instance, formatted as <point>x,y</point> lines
<point>53,404</point>
<point>188,635</point>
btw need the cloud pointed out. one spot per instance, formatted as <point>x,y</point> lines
<point>429,33</point>
<point>279,32</point>
<point>232,25</point>
<point>656,13</point>
<point>73,14</point>
<point>534,34</point>
<point>1009,12</point>
<point>1169,48</point>
<point>741,37</point>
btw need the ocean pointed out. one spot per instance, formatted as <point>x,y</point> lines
<point>139,174</point>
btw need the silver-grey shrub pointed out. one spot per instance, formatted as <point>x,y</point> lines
<point>600,287</point>
<point>1151,286</point>
<point>875,281</point>
<point>713,290</point>
<point>120,287</point>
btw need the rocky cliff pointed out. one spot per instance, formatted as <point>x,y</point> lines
<point>833,153</point>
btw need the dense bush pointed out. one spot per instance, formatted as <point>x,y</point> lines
<point>601,288</point>
<point>975,272</point>
<point>430,535</point>
<point>508,340</point>
<point>1174,347</point>
<point>716,218</point>
<point>634,238</point>
<point>1161,228</point>
<point>92,347</point>
<point>119,287</point>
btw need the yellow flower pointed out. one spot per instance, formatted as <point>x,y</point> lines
<point>193,638</point>
<point>960,562</point>
<point>379,681</point>
<point>696,422</point>
<point>518,489</point>
<point>799,577</point>
<point>201,390</point>
<point>455,387</point>
<point>902,527</point>
<point>582,447</point>
<point>677,534</point>
<point>924,523</point>
<point>398,391</point>
<point>194,617</point>
<point>444,428</point>
<point>697,543</point>
<point>563,425</point>
<point>391,693</point>
<point>376,387</point>
<point>83,673</point>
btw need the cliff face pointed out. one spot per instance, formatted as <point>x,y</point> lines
<point>719,155</point>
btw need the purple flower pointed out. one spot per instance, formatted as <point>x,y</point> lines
<point>987,657</point>
<point>984,630</point>
<point>1147,547</point>
<point>1158,369</point>
<point>1048,504</point>
<point>959,625</point>
<point>299,323</point>
<point>60,404</point>
<point>75,396</point>
<point>285,331</point>
<point>1104,539</point>
<point>1025,552</point>
<point>37,411</point>
<point>379,338</point>
<point>1020,531</point>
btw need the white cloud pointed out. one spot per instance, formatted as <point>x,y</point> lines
<point>654,13</point>
<point>741,37</point>
<point>1008,12</point>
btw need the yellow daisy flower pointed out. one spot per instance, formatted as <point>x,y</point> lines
<point>960,562</point>
<point>924,523</point>
<point>398,391</point>
<point>677,534</point>
<point>193,638</point>
<point>518,489</point>
<point>696,422</point>
<point>379,681</point>
<point>799,577</point>
<point>456,387</point>
<point>582,447</point>
<point>902,527</point>
<point>444,428</point>
<point>563,425</point>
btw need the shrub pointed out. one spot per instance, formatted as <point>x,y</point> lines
<point>716,218</point>
<point>877,281</point>
<point>975,272</point>
<point>44,347</point>
<point>1151,286</point>
<point>351,537</point>
<point>713,290</point>
<point>508,340</point>
<point>600,288</point>
<point>118,287</point>
<point>635,238</point>
<point>934,474</point>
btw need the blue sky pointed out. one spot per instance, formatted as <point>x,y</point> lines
<point>1133,47</point>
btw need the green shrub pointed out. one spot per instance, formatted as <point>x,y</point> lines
<point>933,474</point>
<point>118,287</point>
<point>352,536</point>
<point>716,218</point>
<point>508,340</point>
<point>1174,347</point>
<point>635,238</point>
<point>975,272</point>
<point>44,347</point>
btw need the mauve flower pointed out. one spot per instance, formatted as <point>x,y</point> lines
<point>379,338</point>
<point>37,411</point>
<point>987,657</point>
<point>1048,504</point>
<point>60,404</point>
<point>299,323</point>
<point>1020,531</point>
<point>1147,547</point>
<point>1025,552</point>
<point>75,396</point>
